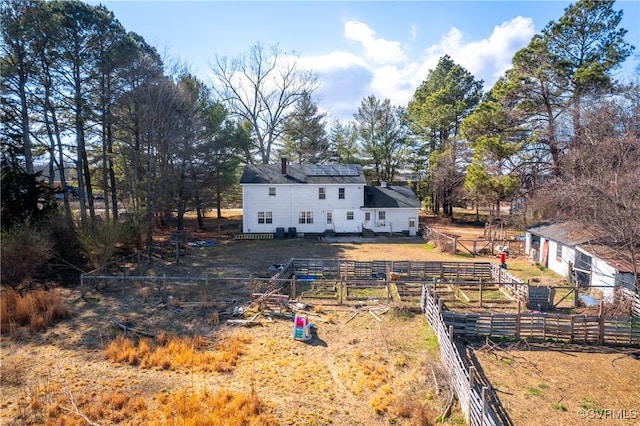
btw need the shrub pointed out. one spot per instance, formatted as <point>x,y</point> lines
<point>382,399</point>
<point>25,250</point>
<point>171,353</point>
<point>37,309</point>
<point>101,242</point>
<point>223,407</point>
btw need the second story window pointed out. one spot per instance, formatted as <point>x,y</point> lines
<point>322,194</point>
<point>341,193</point>
<point>272,191</point>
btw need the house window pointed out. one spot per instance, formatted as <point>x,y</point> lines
<point>329,218</point>
<point>265,217</point>
<point>382,215</point>
<point>367,216</point>
<point>341,193</point>
<point>305,217</point>
<point>272,191</point>
<point>412,222</point>
<point>559,251</point>
<point>349,215</point>
<point>321,194</point>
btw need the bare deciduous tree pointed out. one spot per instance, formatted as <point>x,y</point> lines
<point>261,87</point>
<point>601,183</point>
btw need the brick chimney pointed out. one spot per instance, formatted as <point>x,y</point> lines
<point>284,165</point>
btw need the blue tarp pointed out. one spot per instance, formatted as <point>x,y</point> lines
<point>588,300</point>
<point>201,243</point>
<point>306,277</point>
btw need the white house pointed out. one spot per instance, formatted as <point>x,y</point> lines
<point>323,198</point>
<point>553,245</point>
<point>570,250</point>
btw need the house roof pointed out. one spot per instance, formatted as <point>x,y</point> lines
<point>617,258</point>
<point>302,174</point>
<point>567,233</point>
<point>390,197</point>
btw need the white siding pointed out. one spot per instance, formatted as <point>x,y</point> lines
<point>396,220</point>
<point>603,276</point>
<point>290,200</point>
<point>560,264</point>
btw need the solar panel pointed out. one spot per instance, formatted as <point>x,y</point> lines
<point>332,170</point>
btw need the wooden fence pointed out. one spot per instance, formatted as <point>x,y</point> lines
<point>543,326</point>
<point>475,400</point>
<point>634,298</point>
<point>512,285</point>
<point>405,270</point>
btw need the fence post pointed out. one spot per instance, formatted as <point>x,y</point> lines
<point>293,287</point>
<point>518,320</point>
<point>472,376</point>
<point>165,297</point>
<point>82,285</point>
<point>451,333</point>
<point>601,323</point>
<point>485,397</point>
<point>480,296</point>
<point>388,280</point>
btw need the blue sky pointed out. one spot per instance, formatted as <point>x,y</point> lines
<point>357,48</point>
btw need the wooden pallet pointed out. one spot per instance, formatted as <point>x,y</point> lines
<point>254,236</point>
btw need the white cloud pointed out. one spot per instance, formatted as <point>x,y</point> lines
<point>486,59</point>
<point>385,70</point>
<point>377,49</point>
<point>333,61</point>
<point>413,32</point>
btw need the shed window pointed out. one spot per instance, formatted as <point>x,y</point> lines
<point>272,191</point>
<point>559,251</point>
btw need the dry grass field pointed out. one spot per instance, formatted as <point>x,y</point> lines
<point>366,365</point>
